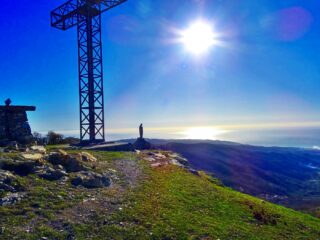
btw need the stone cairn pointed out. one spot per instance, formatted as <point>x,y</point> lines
<point>14,124</point>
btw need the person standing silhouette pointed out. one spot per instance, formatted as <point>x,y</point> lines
<point>141,130</point>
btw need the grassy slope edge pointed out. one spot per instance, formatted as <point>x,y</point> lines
<point>166,203</point>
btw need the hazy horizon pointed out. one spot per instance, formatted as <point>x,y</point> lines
<point>285,137</point>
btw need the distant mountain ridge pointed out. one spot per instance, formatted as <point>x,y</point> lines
<point>157,142</point>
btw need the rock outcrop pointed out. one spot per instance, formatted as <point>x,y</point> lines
<point>7,182</point>
<point>90,180</point>
<point>19,167</point>
<point>50,173</point>
<point>71,162</point>
<point>55,166</point>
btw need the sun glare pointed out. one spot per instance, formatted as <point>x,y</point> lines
<point>199,37</point>
<point>205,133</point>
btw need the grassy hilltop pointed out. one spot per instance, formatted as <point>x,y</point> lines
<point>146,201</point>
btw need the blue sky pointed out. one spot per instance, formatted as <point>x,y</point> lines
<point>266,75</point>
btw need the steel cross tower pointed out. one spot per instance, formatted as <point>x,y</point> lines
<point>86,15</point>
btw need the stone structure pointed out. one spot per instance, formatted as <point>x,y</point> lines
<point>14,124</point>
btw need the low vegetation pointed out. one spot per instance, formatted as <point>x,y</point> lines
<point>285,176</point>
<point>144,202</point>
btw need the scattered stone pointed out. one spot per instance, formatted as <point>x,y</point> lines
<point>150,159</point>
<point>32,156</point>
<point>87,157</point>
<point>6,181</point>
<point>50,174</point>
<point>59,167</point>
<point>40,149</point>
<point>90,180</point>
<point>63,152</point>
<point>181,160</point>
<point>176,162</point>
<point>11,198</point>
<point>72,163</point>
<point>158,164</point>
<point>159,155</point>
<point>6,187</point>
<point>158,159</point>
<point>6,176</point>
<point>20,167</point>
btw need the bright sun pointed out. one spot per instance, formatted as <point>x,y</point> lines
<point>208,133</point>
<point>199,37</point>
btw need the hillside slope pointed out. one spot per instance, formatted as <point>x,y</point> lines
<point>287,176</point>
<point>149,198</point>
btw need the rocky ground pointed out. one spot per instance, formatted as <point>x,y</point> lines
<point>46,181</point>
<point>54,193</point>
<point>84,184</point>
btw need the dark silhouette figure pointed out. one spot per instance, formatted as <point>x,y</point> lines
<point>8,102</point>
<point>141,143</point>
<point>141,130</point>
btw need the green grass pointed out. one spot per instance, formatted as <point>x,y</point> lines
<point>112,156</point>
<point>56,147</point>
<point>167,203</point>
<point>174,204</point>
<point>44,199</point>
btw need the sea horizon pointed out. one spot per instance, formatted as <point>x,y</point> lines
<point>292,137</point>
